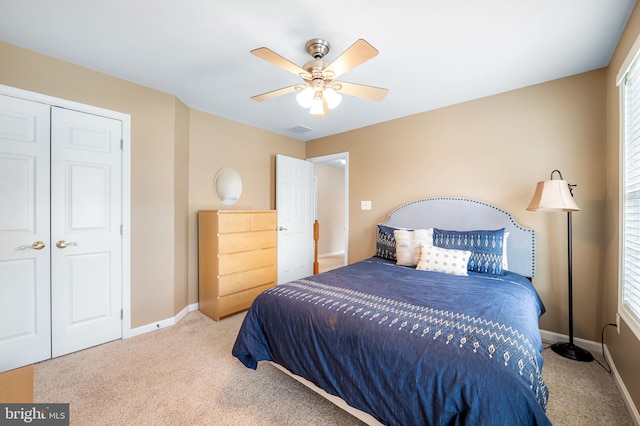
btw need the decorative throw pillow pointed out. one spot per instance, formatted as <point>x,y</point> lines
<point>385,242</point>
<point>486,247</point>
<point>408,244</point>
<point>505,261</point>
<point>449,261</point>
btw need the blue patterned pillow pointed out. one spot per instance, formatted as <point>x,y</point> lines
<point>385,242</point>
<point>485,246</point>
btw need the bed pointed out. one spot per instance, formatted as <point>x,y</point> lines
<point>409,336</point>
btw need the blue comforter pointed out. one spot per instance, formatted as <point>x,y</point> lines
<point>409,347</point>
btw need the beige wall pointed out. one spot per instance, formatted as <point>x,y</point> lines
<point>625,347</point>
<point>495,149</point>
<point>217,142</point>
<point>181,206</point>
<point>175,152</point>
<point>330,210</point>
<point>152,164</point>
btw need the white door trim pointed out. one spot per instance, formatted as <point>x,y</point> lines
<point>126,183</point>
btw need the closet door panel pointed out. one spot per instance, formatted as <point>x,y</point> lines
<point>85,221</point>
<point>25,246</point>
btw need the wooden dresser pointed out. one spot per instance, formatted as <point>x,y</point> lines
<point>236,259</point>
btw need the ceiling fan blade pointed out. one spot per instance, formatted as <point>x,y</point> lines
<point>271,56</point>
<point>358,53</point>
<point>363,91</point>
<point>275,93</point>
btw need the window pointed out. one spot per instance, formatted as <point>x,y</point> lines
<point>629,291</point>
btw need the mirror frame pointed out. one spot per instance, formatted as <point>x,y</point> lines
<point>227,185</point>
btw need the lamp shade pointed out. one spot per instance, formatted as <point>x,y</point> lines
<point>553,195</point>
<point>305,97</point>
<point>317,108</point>
<point>332,97</point>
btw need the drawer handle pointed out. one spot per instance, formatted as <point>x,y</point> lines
<point>282,229</point>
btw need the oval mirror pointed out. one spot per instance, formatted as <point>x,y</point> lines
<point>227,185</point>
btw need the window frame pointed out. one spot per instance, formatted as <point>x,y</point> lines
<point>630,317</point>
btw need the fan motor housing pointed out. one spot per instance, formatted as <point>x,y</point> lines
<point>317,47</point>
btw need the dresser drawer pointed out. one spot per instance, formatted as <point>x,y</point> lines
<point>267,221</point>
<point>245,280</point>
<point>245,241</point>
<point>234,222</point>
<point>241,301</point>
<point>238,262</point>
<point>247,221</point>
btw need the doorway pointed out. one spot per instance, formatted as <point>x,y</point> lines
<point>331,209</point>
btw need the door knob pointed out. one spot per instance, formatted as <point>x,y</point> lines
<point>38,245</point>
<point>282,229</point>
<point>63,244</point>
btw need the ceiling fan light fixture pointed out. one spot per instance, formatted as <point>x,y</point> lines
<point>332,97</point>
<point>320,91</point>
<point>305,97</point>
<point>316,106</point>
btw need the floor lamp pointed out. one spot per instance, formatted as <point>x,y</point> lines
<point>553,196</point>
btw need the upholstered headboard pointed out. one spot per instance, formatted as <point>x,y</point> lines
<point>463,214</point>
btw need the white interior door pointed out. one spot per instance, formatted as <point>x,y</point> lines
<point>86,238</point>
<point>295,223</point>
<point>25,328</point>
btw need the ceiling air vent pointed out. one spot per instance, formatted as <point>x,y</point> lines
<point>299,129</point>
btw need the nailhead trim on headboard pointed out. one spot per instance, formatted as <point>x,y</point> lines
<point>521,243</point>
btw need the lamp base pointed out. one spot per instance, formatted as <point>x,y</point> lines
<point>571,351</point>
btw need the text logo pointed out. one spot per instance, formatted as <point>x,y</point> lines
<point>34,414</point>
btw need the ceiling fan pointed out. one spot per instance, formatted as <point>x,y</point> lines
<point>320,91</point>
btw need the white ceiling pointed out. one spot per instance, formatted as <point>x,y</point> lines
<point>433,53</point>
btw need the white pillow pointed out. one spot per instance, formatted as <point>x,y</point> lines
<point>408,245</point>
<point>449,261</point>
<point>505,263</point>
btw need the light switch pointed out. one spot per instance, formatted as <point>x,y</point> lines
<point>365,205</point>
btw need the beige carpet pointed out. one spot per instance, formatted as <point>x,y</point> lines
<point>185,375</point>
<point>328,263</point>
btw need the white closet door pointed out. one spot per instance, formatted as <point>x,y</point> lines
<point>86,241</point>
<point>25,331</point>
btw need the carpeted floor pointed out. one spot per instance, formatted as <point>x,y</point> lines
<point>186,375</point>
<point>328,263</point>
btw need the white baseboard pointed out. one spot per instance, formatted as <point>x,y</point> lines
<point>635,415</point>
<point>163,323</point>
<point>551,337</point>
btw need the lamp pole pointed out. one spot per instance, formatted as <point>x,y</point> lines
<point>557,195</point>
<point>569,350</point>
<point>570,277</point>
